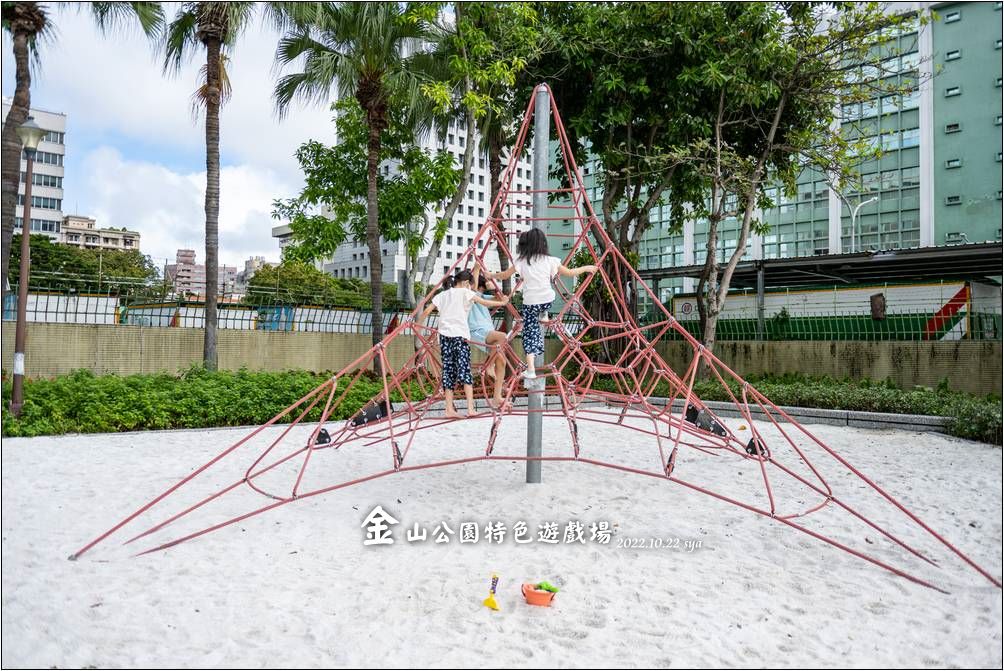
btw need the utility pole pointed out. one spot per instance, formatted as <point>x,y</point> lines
<point>535,387</point>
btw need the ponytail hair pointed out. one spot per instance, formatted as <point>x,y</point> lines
<point>450,281</point>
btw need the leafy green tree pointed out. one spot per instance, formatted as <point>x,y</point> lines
<point>57,267</point>
<point>371,51</point>
<point>615,70</point>
<point>336,186</point>
<point>296,282</point>
<point>778,74</point>
<point>29,25</point>
<point>487,46</point>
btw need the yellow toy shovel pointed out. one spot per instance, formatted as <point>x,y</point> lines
<point>490,601</point>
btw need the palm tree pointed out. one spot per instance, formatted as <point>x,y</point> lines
<point>216,26</point>
<point>28,24</point>
<point>369,50</point>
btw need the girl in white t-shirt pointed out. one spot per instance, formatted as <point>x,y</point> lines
<point>454,303</point>
<point>537,268</point>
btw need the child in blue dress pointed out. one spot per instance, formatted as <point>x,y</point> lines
<point>484,335</point>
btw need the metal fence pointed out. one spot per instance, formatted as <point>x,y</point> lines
<point>134,308</point>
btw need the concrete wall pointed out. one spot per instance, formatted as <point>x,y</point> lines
<point>56,349</point>
<point>972,366</point>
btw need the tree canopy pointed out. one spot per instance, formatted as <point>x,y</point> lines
<point>295,282</point>
<point>332,207</point>
<point>59,267</point>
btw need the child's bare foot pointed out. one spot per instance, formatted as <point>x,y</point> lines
<point>451,413</point>
<point>496,403</point>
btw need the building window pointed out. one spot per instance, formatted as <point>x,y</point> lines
<point>953,163</point>
<point>953,91</point>
<point>952,17</point>
<point>953,200</point>
<point>449,239</point>
<point>953,55</point>
<point>953,127</point>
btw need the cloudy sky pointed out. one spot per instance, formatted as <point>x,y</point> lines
<point>135,156</point>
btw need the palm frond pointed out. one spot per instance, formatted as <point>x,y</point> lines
<point>150,15</point>
<point>201,95</point>
<point>31,18</point>
<point>180,39</point>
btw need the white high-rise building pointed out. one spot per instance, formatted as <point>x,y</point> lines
<point>352,258</point>
<point>47,178</point>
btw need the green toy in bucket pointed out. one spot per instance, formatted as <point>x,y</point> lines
<point>539,594</point>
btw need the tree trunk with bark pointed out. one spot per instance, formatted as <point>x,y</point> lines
<point>373,237</point>
<point>11,171</point>
<point>209,355</point>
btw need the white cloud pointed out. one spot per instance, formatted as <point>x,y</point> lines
<point>167,208</point>
<point>114,92</point>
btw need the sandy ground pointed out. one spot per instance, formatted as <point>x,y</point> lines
<point>296,587</point>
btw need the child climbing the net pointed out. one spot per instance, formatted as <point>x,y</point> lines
<point>537,268</point>
<point>453,304</point>
<point>484,335</point>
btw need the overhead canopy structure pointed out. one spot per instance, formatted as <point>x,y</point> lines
<point>978,261</point>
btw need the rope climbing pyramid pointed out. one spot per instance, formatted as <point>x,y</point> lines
<point>606,368</point>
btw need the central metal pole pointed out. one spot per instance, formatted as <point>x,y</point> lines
<point>535,388</point>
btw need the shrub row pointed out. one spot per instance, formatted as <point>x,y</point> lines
<point>973,417</point>
<point>85,403</point>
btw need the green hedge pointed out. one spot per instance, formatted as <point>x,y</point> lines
<point>974,417</point>
<point>84,403</point>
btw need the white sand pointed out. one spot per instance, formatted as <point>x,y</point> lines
<point>295,587</point>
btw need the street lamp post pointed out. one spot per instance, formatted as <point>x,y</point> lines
<point>854,216</point>
<point>30,134</point>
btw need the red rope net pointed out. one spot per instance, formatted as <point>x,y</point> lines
<point>607,370</point>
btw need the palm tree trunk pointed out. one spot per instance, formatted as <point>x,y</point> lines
<point>209,354</point>
<point>373,237</point>
<point>11,172</point>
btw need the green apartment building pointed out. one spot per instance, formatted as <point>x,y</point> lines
<point>938,181</point>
